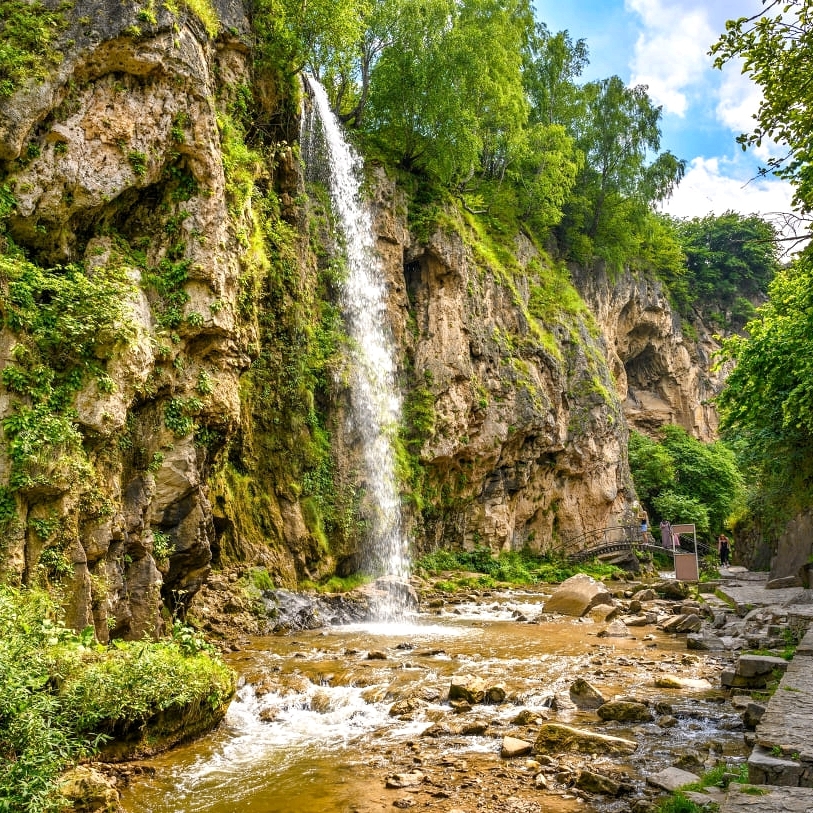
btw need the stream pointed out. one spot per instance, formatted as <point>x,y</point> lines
<point>310,728</point>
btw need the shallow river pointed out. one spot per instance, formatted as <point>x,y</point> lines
<point>310,728</point>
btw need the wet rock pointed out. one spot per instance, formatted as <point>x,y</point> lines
<point>616,629</point>
<point>89,791</point>
<point>468,688</point>
<point>625,711</point>
<point>690,760</point>
<point>705,641</point>
<point>666,721</point>
<point>591,782</point>
<point>636,620</point>
<point>647,594</point>
<point>556,738</point>
<point>376,655</point>
<point>406,707</point>
<point>752,715</point>
<point>541,782</point>
<point>678,682</point>
<point>578,595</point>
<point>585,696</point>
<point>513,747</point>
<point>671,589</point>
<point>405,780</point>
<point>404,804</point>
<point>670,779</point>
<point>752,672</point>
<point>683,623</point>
<point>603,612</point>
<point>475,728</point>
<point>529,717</point>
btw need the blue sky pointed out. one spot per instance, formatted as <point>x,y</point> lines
<point>664,44</point>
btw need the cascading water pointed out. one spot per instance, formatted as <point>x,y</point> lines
<point>374,398</point>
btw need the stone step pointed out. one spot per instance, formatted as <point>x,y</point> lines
<point>767,799</point>
<point>783,751</point>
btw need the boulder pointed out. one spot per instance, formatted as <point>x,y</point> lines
<point>89,791</point>
<point>405,780</point>
<point>671,779</point>
<point>647,594</point>
<point>615,629</point>
<point>625,711</point>
<point>513,747</point>
<point>578,595</point>
<point>467,687</point>
<point>671,589</point>
<point>585,696</point>
<point>686,622</point>
<point>556,738</point>
<point>591,782</point>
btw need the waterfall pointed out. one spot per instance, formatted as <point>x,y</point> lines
<point>375,404</point>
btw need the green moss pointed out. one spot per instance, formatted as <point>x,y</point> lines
<point>202,9</point>
<point>28,33</point>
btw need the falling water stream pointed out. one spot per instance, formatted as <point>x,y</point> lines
<point>374,397</point>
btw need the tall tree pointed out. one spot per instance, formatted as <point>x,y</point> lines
<point>447,91</point>
<point>619,129</point>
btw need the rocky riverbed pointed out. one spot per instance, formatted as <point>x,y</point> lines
<point>485,700</point>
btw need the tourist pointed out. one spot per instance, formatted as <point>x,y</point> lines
<point>666,535</point>
<point>723,548</point>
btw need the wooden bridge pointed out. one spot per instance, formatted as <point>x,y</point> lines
<point>620,538</point>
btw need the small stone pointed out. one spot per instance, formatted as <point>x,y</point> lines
<point>585,696</point>
<point>405,780</point>
<point>671,779</point>
<point>513,747</point>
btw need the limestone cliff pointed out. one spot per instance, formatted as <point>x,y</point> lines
<point>664,369</point>
<point>173,394</point>
<point>114,165</point>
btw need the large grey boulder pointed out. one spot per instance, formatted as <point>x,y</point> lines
<point>578,595</point>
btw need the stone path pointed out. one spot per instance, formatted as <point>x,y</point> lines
<point>781,763</point>
<point>781,800</point>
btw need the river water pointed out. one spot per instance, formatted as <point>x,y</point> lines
<point>310,729</point>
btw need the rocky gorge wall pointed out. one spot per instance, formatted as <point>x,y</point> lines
<point>172,392</point>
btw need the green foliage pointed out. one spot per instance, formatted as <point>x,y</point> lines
<point>179,415</point>
<point>767,404</point>
<point>513,567</point>
<point>162,546</point>
<point>202,9</point>
<point>67,322</point>
<point>681,479</point>
<point>731,259</point>
<point>28,34</point>
<point>61,694</point>
<point>775,49</point>
<point>462,65</point>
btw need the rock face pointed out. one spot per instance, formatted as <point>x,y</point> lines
<point>201,419</point>
<point>115,164</point>
<point>663,374</point>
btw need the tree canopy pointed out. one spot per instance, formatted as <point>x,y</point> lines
<point>730,260</point>
<point>776,48</point>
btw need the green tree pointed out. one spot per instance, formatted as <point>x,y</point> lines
<point>619,129</point>
<point>776,49</point>
<point>730,259</point>
<point>446,94</point>
<point>681,479</point>
<point>767,405</point>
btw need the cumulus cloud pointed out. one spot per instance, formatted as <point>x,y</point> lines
<point>712,185</point>
<point>670,55</point>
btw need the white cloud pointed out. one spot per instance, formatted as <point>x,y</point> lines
<point>714,186</point>
<point>671,53</point>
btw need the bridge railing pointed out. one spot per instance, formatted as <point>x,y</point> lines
<point>619,537</point>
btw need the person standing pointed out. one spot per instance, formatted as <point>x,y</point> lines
<point>724,549</point>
